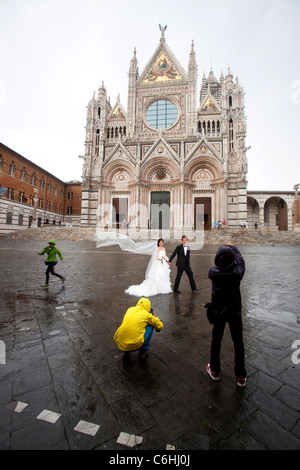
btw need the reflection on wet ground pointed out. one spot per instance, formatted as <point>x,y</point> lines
<point>60,355</point>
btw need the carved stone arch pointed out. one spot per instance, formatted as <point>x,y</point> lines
<point>153,165</point>
<point>161,174</point>
<point>210,165</point>
<point>118,172</point>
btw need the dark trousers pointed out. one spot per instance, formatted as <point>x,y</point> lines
<point>50,270</point>
<point>189,272</point>
<point>236,331</point>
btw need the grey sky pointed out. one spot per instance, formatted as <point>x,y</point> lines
<point>56,53</point>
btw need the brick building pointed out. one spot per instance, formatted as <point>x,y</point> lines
<point>31,195</point>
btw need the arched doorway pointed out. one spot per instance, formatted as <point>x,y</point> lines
<point>275,214</point>
<point>252,212</point>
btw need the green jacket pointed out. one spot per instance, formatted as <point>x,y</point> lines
<point>51,252</point>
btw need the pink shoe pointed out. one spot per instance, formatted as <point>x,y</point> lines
<point>213,375</point>
<point>241,382</point>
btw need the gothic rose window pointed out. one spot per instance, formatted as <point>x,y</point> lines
<point>161,114</point>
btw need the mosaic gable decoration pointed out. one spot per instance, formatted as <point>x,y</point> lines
<point>162,71</point>
<point>117,113</point>
<point>209,107</point>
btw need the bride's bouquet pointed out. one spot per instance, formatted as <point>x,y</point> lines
<point>165,258</point>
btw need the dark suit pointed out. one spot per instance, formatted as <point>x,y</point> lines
<point>183,264</point>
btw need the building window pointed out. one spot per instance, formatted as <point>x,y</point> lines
<point>55,191</point>
<point>12,169</point>
<point>42,183</point>
<point>20,220</point>
<point>33,179</point>
<point>1,163</point>
<point>23,174</point>
<point>230,135</point>
<point>49,187</point>
<point>41,203</point>
<point>61,193</point>
<point>69,210</point>
<point>161,114</point>
<point>70,195</point>
<point>54,207</point>
<point>48,205</point>
<point>9,218</point>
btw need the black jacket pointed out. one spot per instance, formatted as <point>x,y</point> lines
<point>226,276</point>
<point>182,259</point>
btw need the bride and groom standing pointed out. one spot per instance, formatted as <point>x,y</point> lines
<point>157,279</point>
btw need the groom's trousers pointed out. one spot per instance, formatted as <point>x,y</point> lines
<point>189,272</point>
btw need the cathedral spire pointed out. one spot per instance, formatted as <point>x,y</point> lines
<point>133,62</point>
<point>192,62</point>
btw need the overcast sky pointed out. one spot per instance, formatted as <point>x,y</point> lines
<point>56,53</point>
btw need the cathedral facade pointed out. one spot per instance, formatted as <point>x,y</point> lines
<point>172,151</point>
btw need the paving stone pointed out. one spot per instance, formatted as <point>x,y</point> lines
<point>270,434</point>
<point>61,357</point>
<point>276,410</point>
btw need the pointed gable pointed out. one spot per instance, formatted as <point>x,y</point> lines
<point>162,67</point>
<point>209,105</point>
<point>117,111</point>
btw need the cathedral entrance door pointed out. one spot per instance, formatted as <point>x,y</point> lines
<point>202,217</point>
<point>120,213</point>
<point>160,210</point>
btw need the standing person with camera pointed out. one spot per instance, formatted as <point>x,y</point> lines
<point>225,307</point>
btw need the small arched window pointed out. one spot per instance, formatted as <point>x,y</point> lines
<point>230,101</point>
<point>23,174</point>
<point>12,169</point>
<point>230,135</point>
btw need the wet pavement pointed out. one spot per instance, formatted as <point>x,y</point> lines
<point>57,354</point>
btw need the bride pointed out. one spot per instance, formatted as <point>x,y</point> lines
<point>157,278</point>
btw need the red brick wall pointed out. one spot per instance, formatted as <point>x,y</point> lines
<point>54,191</point>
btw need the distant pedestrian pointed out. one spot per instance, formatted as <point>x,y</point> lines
<point>225,307</point>
<point>255,226</point>
<point>51,261</point>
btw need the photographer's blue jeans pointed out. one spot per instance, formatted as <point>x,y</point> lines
<point>147,337</point>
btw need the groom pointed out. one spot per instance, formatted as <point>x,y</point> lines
<point>183,264</point>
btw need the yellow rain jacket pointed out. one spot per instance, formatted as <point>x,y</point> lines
<point>130,335</point>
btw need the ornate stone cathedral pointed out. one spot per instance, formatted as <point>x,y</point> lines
<point>170,151</point>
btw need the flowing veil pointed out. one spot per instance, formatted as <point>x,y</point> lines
<point>127,244</point>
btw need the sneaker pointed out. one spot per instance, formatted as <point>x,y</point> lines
<point>241,382</point>
<point>213,375</point>
<point>44,285</point>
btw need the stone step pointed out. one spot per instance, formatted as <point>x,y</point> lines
<point>211,237</point>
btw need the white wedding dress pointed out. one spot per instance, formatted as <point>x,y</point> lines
<point>157,279</point>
